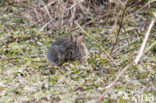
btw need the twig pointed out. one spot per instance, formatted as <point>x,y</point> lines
<point>103,96</point>
<point>14,58</point>
<point>46,9</point>
<point>73,12</point>
<point>152,36</point>
<point>141,8</point>
<point>45,25</point>
<point>146,50</point>
<point>127,44</point>
<point>144,42</point>
<point>117,78</point>
<point>121,23</point>
<point>74,4</point>
<point>110,58</point>
<point>92,97</point>
<point>49,4</point>
<point>113,83</point>
<point>127,51</point>
<point>93,20</point>
<point>7,59</point>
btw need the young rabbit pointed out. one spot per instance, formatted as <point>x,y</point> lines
<point>68,49</point>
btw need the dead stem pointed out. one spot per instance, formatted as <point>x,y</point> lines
<point>121,23</point>
<point>140,53</point>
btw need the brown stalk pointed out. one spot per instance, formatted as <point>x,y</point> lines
<point>146,50</point>
<point>140,53</point>
<point>113,83</point>
<point>121,23</point>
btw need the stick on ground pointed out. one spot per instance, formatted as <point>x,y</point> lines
<point>140,54</point>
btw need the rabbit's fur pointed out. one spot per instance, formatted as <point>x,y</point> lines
<point>68,49</point>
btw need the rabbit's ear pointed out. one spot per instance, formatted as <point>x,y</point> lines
<point>79,39</point>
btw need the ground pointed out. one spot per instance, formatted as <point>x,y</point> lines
<point>26,76</point>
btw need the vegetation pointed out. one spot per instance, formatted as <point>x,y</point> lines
<point>114,32</point>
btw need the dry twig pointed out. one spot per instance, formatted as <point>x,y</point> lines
<point>113,83</point>
<point>140,54</point>
<point>141,8</point>
<point>121,23</point>
<point>149,48</point>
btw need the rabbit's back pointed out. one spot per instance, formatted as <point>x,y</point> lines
<point>56,51</point>
<point>63,42</point>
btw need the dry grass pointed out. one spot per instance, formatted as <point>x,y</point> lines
<point>114,33</point>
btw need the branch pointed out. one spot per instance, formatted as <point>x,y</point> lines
<point>140,54</point>
<point>121,23</point>
<point>113,83</point>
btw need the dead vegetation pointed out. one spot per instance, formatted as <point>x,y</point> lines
<point>120,36</point>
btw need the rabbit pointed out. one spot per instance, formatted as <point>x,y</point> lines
<point>68,49</point>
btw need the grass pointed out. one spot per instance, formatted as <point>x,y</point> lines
<point>26,76</point>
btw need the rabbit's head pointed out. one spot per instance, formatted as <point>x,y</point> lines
<point>72,52</point>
